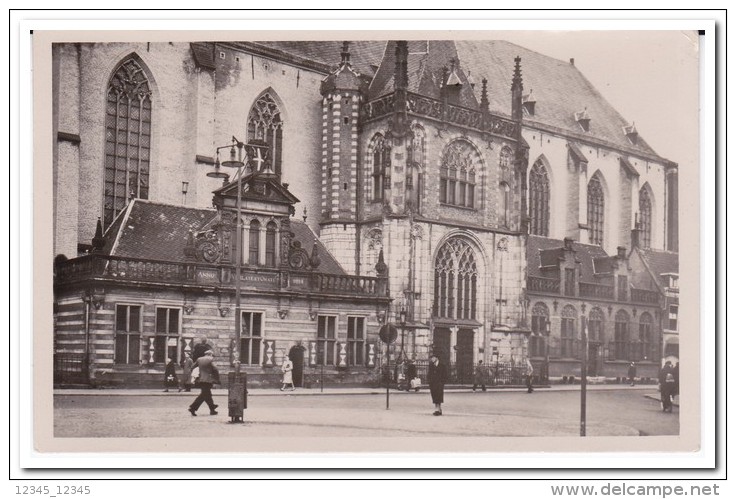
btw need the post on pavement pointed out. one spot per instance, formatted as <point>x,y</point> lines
<point>583,374</point>
<point>388,334</point>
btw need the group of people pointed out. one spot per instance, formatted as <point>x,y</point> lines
<point>669,384</point>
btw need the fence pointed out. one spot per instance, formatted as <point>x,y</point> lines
<point>493,374</point>
<point>70,369</point>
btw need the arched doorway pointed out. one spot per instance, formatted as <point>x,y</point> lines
<point>464,349</point>
<point>296,355</point>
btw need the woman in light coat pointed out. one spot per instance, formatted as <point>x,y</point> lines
<point>287,367</point>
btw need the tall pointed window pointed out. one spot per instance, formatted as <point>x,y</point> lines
<point>455,281</point>
<point>538,338</point>
<point>621,338</point>
<point>265,124</point>
<point>504,192</point>
<point>645,218</point>
<point>415,167</point>
<point>457,174</point>
<point>539,199</point>
<point>646,342</point>
<point>380,154</point>
<point>568,333</point>
<point>127,138</point>
<point>596,209</point>
<point>595,325</point>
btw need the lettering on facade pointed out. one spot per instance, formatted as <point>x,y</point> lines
<point>207,275</point>
<point>269,280</point>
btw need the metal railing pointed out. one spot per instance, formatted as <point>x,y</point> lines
<point>70,369</point>
<point>552,285</point>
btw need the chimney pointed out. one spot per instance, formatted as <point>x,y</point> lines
<point>98,242</point>
<point>572,61</point>
<point>568,244</point>
<point>621,252</point>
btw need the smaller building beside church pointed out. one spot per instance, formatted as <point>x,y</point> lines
<point>163,276</point>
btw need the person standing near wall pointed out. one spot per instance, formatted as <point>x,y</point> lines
<point>632,373</point>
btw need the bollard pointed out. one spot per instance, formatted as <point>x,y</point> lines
<point>237,394</point>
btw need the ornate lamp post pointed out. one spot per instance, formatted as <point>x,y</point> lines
<point>235,161</point>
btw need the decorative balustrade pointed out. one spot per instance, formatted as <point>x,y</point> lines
<point>105,267</point>
<point>644,296</point>
<point>543,284</point>
<point>593,290</point>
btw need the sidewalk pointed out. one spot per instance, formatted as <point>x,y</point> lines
<point>256,392</point>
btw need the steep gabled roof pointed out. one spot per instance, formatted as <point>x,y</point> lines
<point>149,230</point>
<point>541,251</point>
<point>660,262</point>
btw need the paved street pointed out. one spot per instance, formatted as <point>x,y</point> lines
<point>611,411</point>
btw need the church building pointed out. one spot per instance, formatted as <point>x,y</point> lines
<point>292,198</point>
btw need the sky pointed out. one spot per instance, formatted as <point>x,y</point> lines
<point>650,78</point>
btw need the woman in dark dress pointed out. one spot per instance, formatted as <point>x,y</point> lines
<point>437,379</point>
<point>170,380</point>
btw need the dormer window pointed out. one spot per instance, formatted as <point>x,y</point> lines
<point>631,133</point>
<point>528,102</point>
<point>672,280</point>
<point>583,119</point>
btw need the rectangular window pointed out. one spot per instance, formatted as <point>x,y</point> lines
<point>356,340</point>
<point>673,318</point>
<point>251,337</point>
<point>127,334</point>
<point>166,342</point>
<point>569,282</point>
<point>326,327</point>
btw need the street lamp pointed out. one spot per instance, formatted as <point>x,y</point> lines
<point>235,161</point>
<point>402,321</point>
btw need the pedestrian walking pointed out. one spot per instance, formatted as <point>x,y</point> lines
<point>479,377</point>
<point>437,379</point>
<point>170,380</point>
<point>208,376</point>
<point>529,376</point>
<point>666,386</point>
<point>676,374</point>
<point>287,367</point>
<point>186,375</point>
<point>632,373</point>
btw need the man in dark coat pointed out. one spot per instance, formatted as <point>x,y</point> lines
<point>200,348</point>
<point>667,386</point>
<point>208,376</point>
<point>437,379</point>
<point>480,376</point>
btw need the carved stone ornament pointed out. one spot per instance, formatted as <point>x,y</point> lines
<point>299,258</point>
<point>374,239</point>
<point>417,232</point>
<point>209,247</point>
<point>503,244</point>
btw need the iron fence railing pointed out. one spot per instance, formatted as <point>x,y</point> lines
<point>70,369</point>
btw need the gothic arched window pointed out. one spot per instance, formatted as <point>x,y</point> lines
<point>538,338</point>
<point>254,242</point>
<point>645,218</point>
<point>568,333</point>
<point>380,154</point>
<point>265,124</point>
<point>621,336</point>
<point>539,199</point>
<point>595,325</point>
<point>455,281</point>
<point>127,138</point>
<point>457,174</point>
<point>504,193</point>
<point>645,337</point>
<point>596,207</point>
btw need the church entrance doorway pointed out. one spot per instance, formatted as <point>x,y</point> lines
<point>441,345</point>
<point>464,349</point>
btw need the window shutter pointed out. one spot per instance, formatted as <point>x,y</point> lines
<point>312,353</point>
<point>371,355</point>
<point>269,349</point>
<point>342,355</point>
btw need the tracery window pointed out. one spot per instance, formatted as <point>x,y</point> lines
<point>568,333</point>
<point>265,124</point>
<point>539,199</point>
<point>415,167</point>
<point>455,281</point>
<point>538,338</point>
<point>271,244</point>
<point>596,208</point>
<point>127,138</point>
<point>645,337</point>
<point>457,174</point>
<point>645,218</point>
<point>595,325</point>
<point>380,152</point>
<point>621,336</point>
